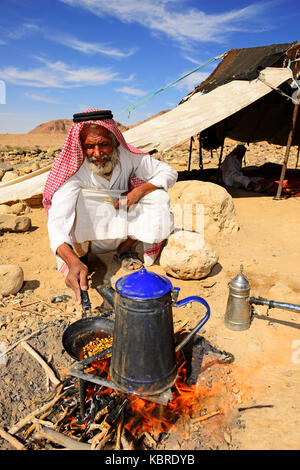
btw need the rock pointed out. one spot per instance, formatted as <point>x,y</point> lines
<point>11,279</point>
<point>14,223</point>
<point>1,174</point>
<point>187,256</point>
<point>18,208</point>
<point>9,175</point>
<point>4,209</point>
<point>214,201</point>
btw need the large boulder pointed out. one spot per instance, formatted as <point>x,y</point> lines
<point>14,223</point>
<point>11,279</point>
<point>209,199</point>
<point>187,256</point>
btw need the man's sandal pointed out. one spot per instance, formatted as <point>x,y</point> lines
<point>127,259</point>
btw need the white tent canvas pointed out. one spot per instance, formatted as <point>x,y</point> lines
<point>164,132</point>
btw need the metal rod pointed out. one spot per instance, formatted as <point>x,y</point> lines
<point>287,152</point>
<point>82,390</point>
<point>273,304</point>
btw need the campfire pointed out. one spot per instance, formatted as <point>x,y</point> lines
<point>117,420</point>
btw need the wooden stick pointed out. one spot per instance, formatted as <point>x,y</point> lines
<point>43,432</point>
<point>12,440</point>
<point>49,372</point>
<point>50,306</point>
<point>28,419</point>
<point>207,416</point>
<point>119,434</point>
<point>23,339</point>
<point>24,309</point>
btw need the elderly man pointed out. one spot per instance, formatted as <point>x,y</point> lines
<point>104,192</point>
<point>232,173</point>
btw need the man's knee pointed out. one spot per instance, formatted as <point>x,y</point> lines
<point>159,196</point>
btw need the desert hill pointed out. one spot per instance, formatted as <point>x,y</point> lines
<point>61,126</point>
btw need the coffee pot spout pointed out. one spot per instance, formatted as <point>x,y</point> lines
<point>108,293</point>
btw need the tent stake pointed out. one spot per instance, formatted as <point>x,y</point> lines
<point>287,152</point>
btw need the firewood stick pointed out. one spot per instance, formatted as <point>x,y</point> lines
<point>119,434</point>
<point>22,339</point>
<point>12,440</point>
<point>28,419</point>
<point>207,416</point>
<point>49,372</point>
<point>43,432</point>
<point>103,441</point>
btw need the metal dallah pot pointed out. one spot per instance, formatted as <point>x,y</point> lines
<point>238,310</point>
<point>144,355</point>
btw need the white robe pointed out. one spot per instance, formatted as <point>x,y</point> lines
<point>232,173</point>
<point>82,208</point>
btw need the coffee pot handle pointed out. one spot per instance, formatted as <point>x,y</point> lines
<point>185,301</point>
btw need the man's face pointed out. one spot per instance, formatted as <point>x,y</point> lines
<point>98,148</point>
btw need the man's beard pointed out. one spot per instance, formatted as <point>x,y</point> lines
<point>106,169</point>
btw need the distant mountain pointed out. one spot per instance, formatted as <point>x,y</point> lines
<point>61,126</point>
<point>58,126</point>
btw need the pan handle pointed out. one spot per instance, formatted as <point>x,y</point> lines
<point>199,325</point>
<point>85,303</point>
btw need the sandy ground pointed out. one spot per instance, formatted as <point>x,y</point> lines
<point>265,375</point>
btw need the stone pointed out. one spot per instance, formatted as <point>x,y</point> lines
<point>9,175</point>
<point>18,208</point>
<point>14,223</point>
<point>209,199</point>
<point>187,256</point>
<point>1,173</point>
<point>4,209</point>
<point>11,279</point>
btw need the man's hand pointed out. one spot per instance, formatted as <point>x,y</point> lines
<point>77,278</point>
<point>78,271</point>
<point>136,194</point>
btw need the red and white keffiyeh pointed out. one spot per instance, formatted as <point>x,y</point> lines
<point>71,158</point>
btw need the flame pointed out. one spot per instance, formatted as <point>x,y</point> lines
<point>189,401</point>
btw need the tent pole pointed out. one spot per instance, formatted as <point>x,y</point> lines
<point>220,160</point>
<point>190,155</point>
<point>287,152</point>
<point>200,153</point>
<point>297,157</point>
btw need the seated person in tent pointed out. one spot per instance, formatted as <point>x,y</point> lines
<point>104,195</point>
<point>232,173</point>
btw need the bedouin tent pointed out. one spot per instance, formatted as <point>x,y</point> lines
<point>253,83</point>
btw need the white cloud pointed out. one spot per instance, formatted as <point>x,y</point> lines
<point>60,75</point>
<point>41,98</point>
<point>131,91</point>
<point>174,19</point>
<point>2,43</point>
<point>89,47</point>
<point>19,32</point>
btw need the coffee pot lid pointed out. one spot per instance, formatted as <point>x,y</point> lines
<point>239,281</point>
<point>143,285</point>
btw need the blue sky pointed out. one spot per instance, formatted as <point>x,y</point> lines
<point>59,57</point>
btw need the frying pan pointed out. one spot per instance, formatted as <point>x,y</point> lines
<point>81,332</point>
